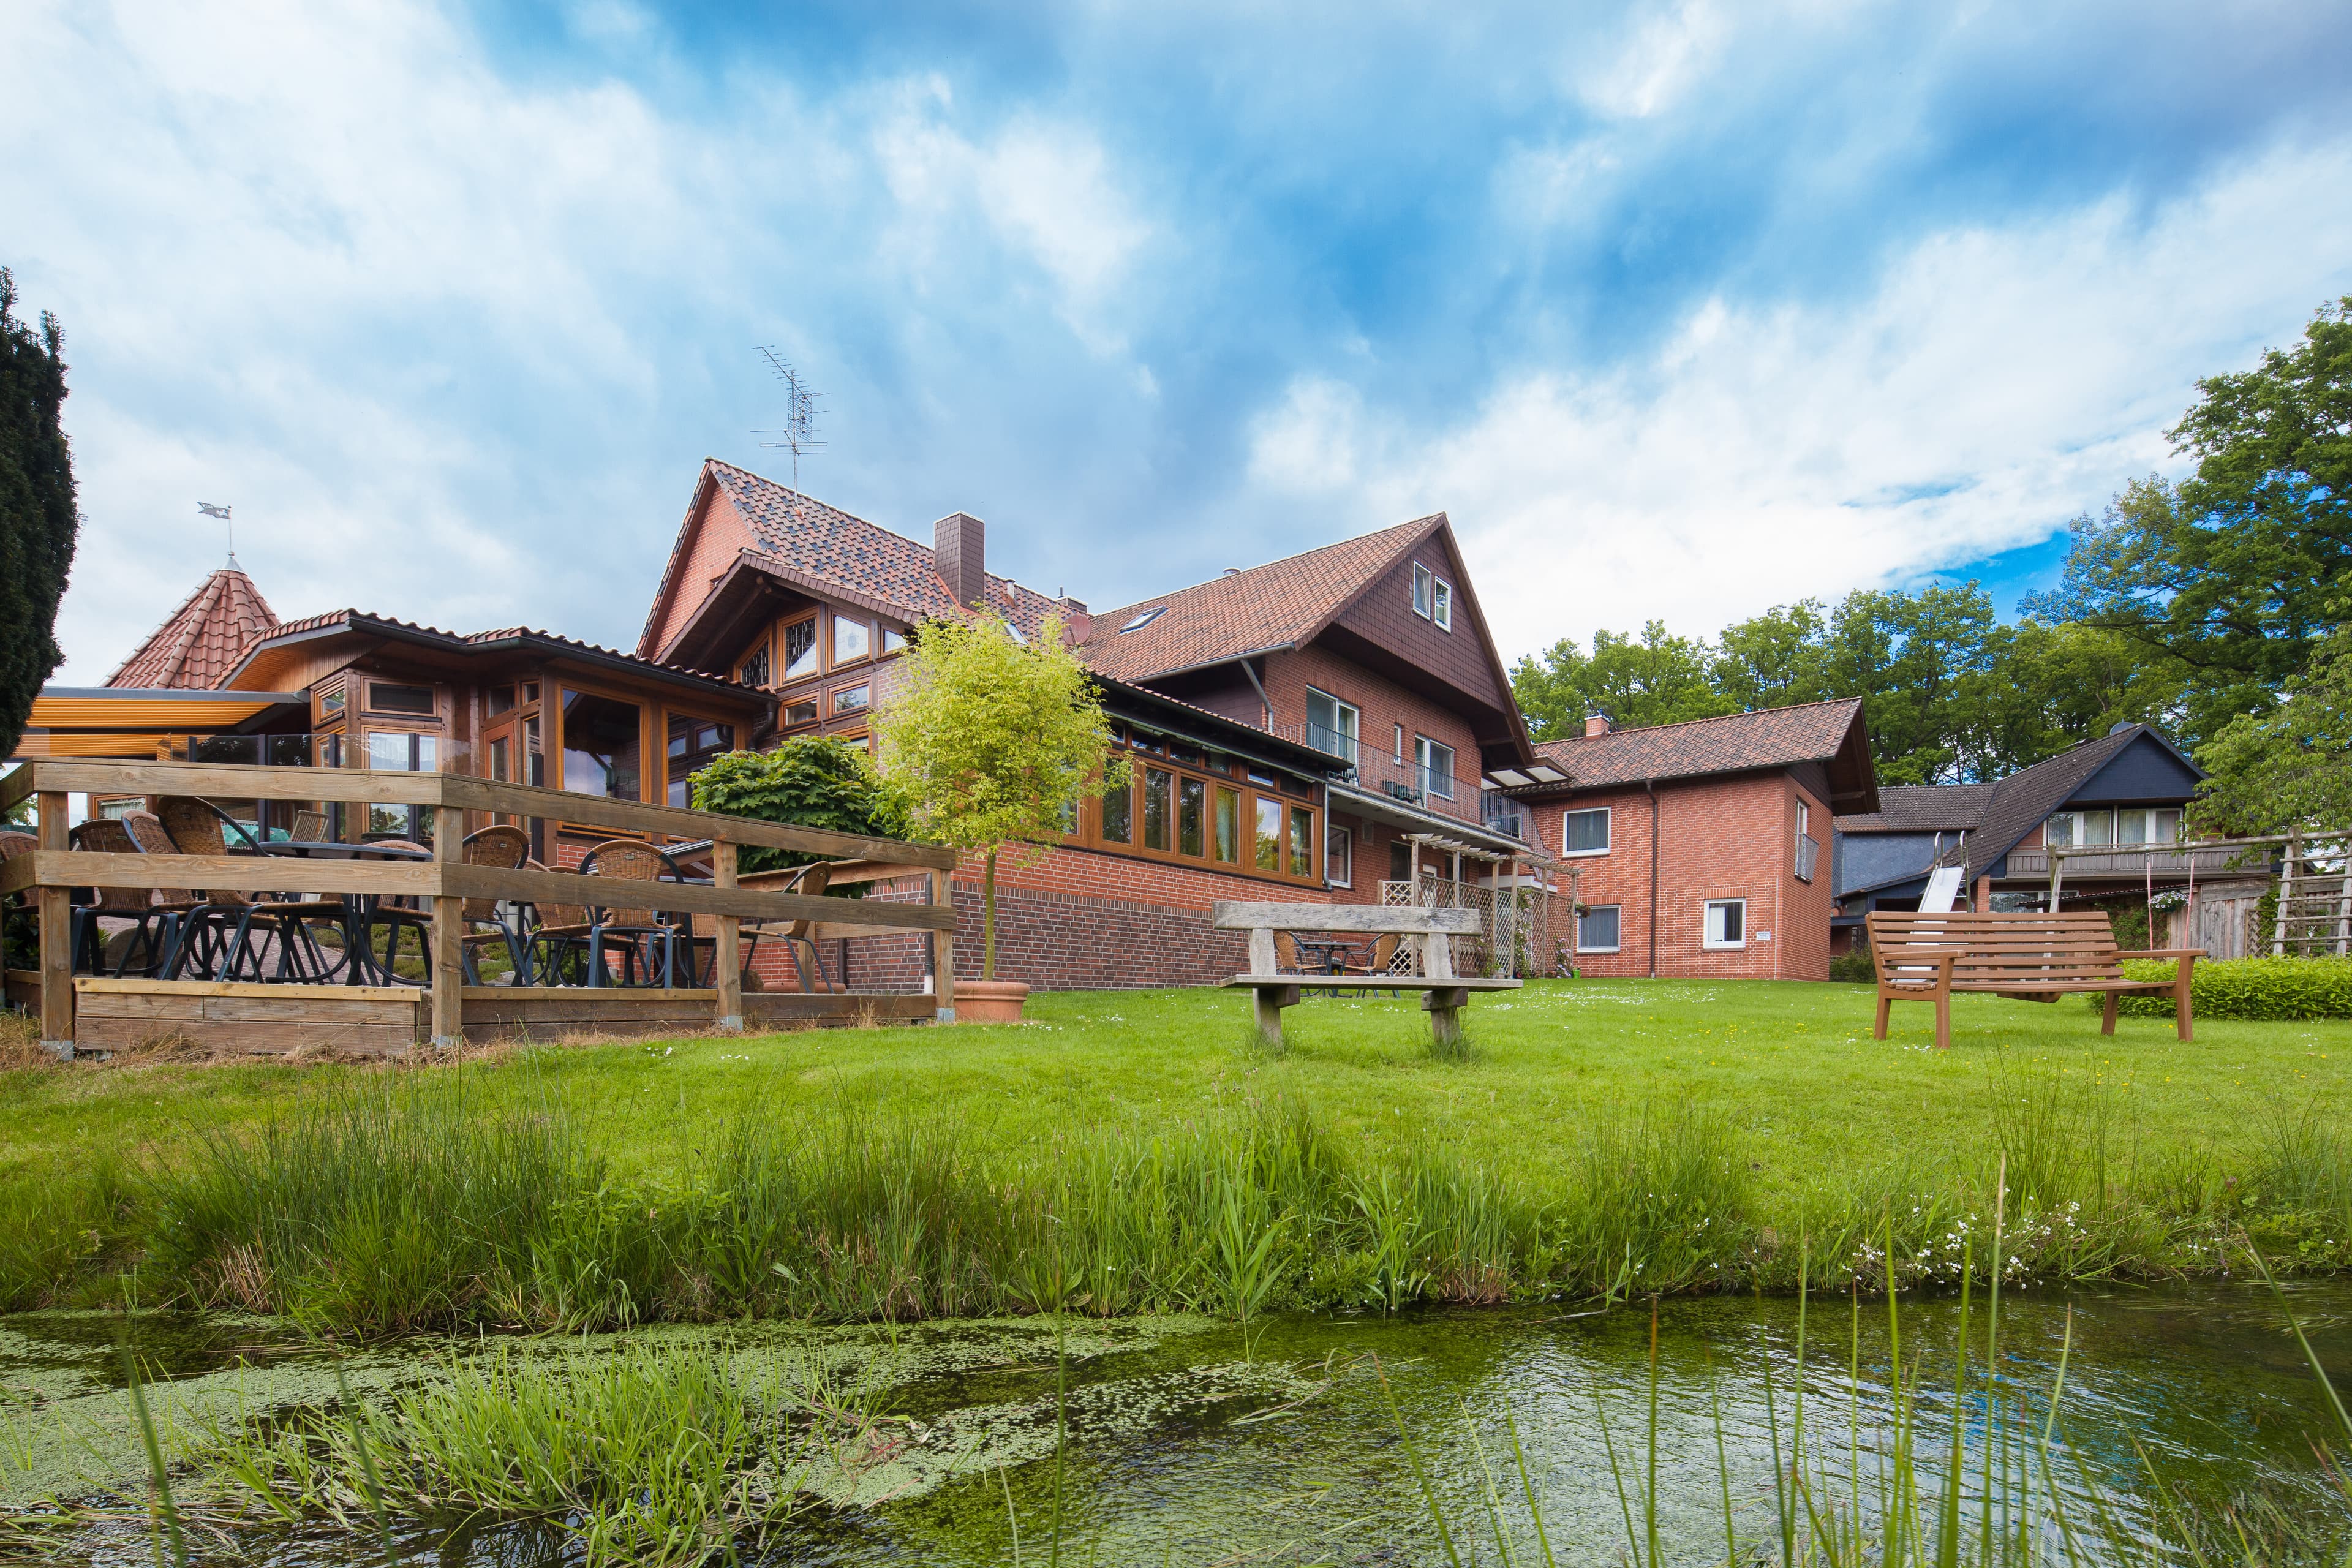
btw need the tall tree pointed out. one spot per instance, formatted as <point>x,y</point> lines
<point>37,520</point>
<point>2293,764</point>
<point>1654,680</point>
<point>2232,573</point>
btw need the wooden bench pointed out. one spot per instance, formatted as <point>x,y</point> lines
<point>2025,957</point>
<point>1429,932</point>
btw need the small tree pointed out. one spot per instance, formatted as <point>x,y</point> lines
<point>807,782</point>
<point>991,741</point>
<point>37,520</point>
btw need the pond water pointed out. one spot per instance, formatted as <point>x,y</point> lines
<point>1180,1450</point>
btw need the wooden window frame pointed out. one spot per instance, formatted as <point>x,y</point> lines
<point>1217,786</point>
<point>782,632</point>
<point>833,658</point>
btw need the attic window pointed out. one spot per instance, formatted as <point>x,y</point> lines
<point>1143,620</point>
<point>1014,633</point>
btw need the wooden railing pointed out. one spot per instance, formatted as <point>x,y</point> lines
<point>52,869</point>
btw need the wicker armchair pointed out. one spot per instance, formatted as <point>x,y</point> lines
<point>154,927</point>
<point>635,933</point>
<point>219,932</point>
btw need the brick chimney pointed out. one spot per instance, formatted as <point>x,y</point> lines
<point>1597,724</point>
<point>959,548</point>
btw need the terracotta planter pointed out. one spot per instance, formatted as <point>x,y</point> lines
<point>990,1001</point>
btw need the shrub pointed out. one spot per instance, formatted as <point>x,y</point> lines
<point>2267,989</point>
<point>807,782</point>
<point>1853,968</point>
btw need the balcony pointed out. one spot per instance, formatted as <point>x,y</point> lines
<point>2138,861</point>
<point>1809,851</point>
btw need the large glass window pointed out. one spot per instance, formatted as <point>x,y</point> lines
<point>1229,826</point>
<point>1585,832</point>
<point>1302,842</point>
<point>382,697</point>
<point>399,752</point>
<point>1331,725</point>
<point>1158,786</point>
<point>1269,834</point>
<point>1192,804</point>
<point>1436,762</point>
<point>1119,814</point>
<point>851,640</point>
<point>800,648</point>
<point>693,743</point>
<point>1596,928</point>
<point>601,746</point>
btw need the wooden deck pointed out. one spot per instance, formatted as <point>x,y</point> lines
<point>95,1013</point>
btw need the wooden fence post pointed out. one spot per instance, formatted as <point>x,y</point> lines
<point>943,951</point>
<point>447,957</point>
<point>727,955</point>
<point>57,936</point>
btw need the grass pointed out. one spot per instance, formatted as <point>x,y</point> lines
<point>1133,1150</point>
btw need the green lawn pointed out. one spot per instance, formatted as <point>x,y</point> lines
<point>1790,1066</point>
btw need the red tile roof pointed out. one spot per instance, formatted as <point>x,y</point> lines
<point>1735,742</point>
<point>1281,604</point>
<point>199,642</point>
<point>822,542</point>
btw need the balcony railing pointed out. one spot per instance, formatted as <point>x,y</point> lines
<point>1808,851</point>
<point>1455,795</point>
<point>2145,859</point>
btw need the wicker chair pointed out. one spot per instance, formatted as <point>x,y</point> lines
<point>392,914</point>
<point>642,930</point>
<point>309,826</point>
<point>15,908</point>
<point>558,932</point>
<point>155,928</point>
<point>196,827</point>
<point>507,848</point>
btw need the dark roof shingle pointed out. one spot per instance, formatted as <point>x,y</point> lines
<point>1924,809</point>
<point>1735,742</point>
<point>1278,604</point>
<point>828,545</point>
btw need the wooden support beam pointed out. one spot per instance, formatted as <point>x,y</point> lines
<point>448,954</point>
<point>728,958</point>
<point>56,935</point>
<point>943,1009</point>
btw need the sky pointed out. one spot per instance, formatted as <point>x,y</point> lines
<point>1677,310</point>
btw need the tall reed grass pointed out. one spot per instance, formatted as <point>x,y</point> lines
<point>415,1203</point>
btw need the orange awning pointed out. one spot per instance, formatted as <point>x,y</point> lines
<point>109,721</point>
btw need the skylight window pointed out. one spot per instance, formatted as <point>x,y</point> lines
<point>1143,620</point>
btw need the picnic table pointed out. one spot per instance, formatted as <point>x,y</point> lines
<point>1430,933</point>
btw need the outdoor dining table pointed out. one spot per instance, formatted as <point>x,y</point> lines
<point>1326,955</point>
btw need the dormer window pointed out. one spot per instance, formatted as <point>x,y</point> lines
<point>1144,619</point>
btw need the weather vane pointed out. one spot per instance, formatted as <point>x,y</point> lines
<point>799,433</point>
<point>209,510</point>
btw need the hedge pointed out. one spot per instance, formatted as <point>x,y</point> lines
<point>2275,990</point>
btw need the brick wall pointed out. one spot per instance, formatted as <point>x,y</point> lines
<point>1381,703</point>
<point>1727,838</point>
<point>712,542</point>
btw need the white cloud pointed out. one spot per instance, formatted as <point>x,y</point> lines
<point>1994,383</point>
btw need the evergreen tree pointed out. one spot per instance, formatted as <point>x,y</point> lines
<point>37,520</point>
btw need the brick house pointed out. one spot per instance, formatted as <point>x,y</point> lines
<point>1300,730</point>
<point>1698,849</point>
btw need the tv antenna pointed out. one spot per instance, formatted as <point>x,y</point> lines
<point>222,513</point>
<point>799,432</point>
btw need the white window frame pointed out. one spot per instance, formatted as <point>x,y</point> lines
<point>1440,604</point>
<point>1590,911</point>
<point>1422,748</point>
<point>1349,729</point>
<point>1339,871</point>
<point>1608,830</point>
<point>1706,916</point>
<point>1423,591</point>
<point>1399,745</point>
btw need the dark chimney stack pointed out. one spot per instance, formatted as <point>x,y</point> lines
<point>960,546</point>
<point>1597,724</point>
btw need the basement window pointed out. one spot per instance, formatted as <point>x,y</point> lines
<point>1143,620</point>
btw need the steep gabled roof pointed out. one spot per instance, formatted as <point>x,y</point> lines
<point>199,642</point>
<point>799,540</point>
<point>2024,798</point>
<point>1924,809</point>
<point>1828,732</point>
<point>1283,604</point>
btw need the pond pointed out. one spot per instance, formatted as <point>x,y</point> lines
<point>1174,1448</point>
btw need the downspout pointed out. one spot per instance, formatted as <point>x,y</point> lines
<point>1651,786</point>
<point>1262,697</point>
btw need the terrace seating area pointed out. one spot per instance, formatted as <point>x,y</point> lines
<point>180,919</point>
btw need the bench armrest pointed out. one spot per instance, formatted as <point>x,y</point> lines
<point>2162,952</point>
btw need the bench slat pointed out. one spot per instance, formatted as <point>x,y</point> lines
<point>1374,983</point>
<point>1358,920</point>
